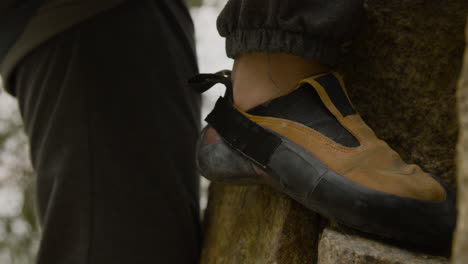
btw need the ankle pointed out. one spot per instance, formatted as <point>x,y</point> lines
<point>261,77</point>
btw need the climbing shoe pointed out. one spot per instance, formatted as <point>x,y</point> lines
<point>312,145</point>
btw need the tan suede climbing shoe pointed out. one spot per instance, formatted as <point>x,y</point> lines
<point>312,145</point>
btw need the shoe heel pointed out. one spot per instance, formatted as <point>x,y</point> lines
<point>217,162</point>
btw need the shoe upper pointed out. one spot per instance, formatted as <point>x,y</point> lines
<point>340,138</point>
<point>304,106</point>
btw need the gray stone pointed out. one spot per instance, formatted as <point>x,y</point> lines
<point>340,248</point>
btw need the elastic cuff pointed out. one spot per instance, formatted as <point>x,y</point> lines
<point>326,52</point>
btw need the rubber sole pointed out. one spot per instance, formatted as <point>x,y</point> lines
<point>297,173</point>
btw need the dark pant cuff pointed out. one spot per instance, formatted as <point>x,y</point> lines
<point>274,41</point>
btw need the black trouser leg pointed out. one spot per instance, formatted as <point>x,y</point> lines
<point>112,128</point>
<point>319,30</point>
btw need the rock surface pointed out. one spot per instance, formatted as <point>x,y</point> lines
<point>461,239</point>
<point>256,225</point>
<point>339,248</point>
<point>401,73</point>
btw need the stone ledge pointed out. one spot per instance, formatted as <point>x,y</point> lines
<point>339,248</point>
<point>257,225</point>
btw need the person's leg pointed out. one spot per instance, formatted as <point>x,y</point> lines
<point>292,126</point>
<point>260,77</point>
<point>275,43</point>
<point>112,127</point>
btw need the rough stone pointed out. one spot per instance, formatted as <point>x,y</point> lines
<point>460,251</point>
<point>340,248</point>
<point>257,225</point>
<point>402,75</point>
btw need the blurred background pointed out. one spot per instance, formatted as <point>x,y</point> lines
<point>19,231</point>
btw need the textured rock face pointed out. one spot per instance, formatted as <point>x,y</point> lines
<point>461,239</point>
<point>339,248</point>
<point>401,73</point>
<point>257,225</point>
